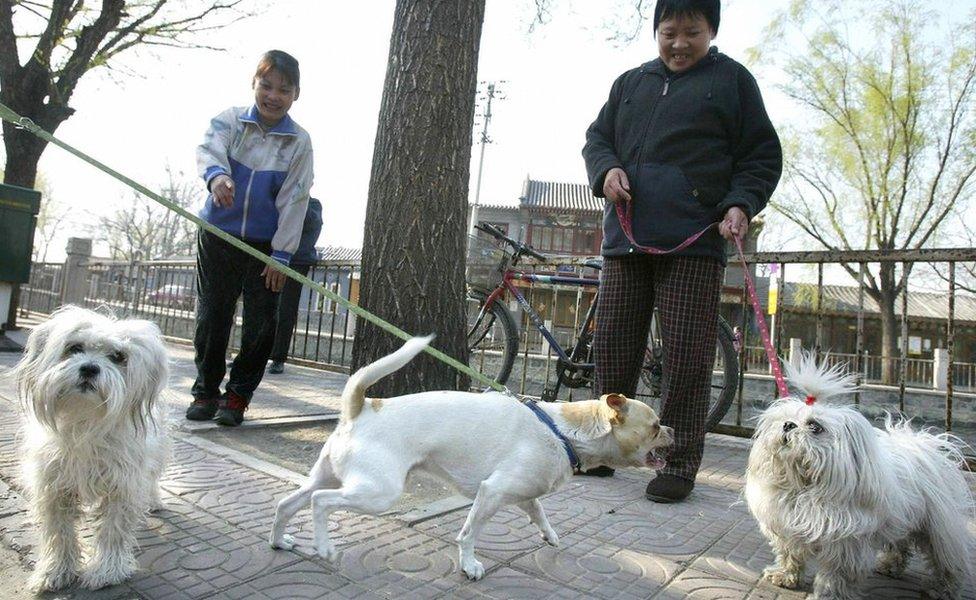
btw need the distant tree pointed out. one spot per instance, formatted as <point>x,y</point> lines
<point>413,271</point>
<point>887,149</point>
<point>145,230</point>
<point>52,214</point>
<point>62,40</point>
<point>65,39</point>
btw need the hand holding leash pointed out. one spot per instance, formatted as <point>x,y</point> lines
<point>734,225</point>
<point>616,186</point>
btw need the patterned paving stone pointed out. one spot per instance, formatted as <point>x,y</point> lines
<point>741,554</point>
<point>405,563</point>
<point>598,568</point>
<point>507,583</point>
<point>303,580</point>
<point>698,585</point>
<point>188,567</point>
<point>676,532</point>
<point>507,535</point>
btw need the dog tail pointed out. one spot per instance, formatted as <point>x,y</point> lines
<point>820,381</point>
<point>354,394</point>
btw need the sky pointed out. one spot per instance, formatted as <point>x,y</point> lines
<point>556,79</point>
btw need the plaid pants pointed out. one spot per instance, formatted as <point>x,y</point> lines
<point>685,290</point>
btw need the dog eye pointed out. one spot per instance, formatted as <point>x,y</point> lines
<point>815,427</point>
<point>118,357</point>
<point>74,349</point>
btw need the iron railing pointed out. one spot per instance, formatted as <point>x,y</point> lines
<point>165,291</point>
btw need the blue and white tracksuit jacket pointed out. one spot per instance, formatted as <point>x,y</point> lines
<point>272,173</point>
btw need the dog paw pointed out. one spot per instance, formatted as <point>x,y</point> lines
<point>286,542</point>
<point>106,573</point>
<point>473,569</point>
<point>51,580</point>
<point>781,578</point>
<point>328,552</point>
<point>551,538</point>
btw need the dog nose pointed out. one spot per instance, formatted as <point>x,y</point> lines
<point>89,370</point>
<point>789,426</point>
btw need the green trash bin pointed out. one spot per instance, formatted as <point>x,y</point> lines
<point>18,216</point>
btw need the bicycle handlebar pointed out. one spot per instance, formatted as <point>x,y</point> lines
<point>520,248</point>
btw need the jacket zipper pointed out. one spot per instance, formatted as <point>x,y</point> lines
<point>247,203</point>
<point>650,119</point>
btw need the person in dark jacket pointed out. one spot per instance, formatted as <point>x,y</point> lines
<point>686,139</point>
<point>291,294</point>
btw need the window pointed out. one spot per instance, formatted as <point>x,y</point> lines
<point>545,236</point>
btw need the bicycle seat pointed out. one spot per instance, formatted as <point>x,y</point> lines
<point>594,263</point>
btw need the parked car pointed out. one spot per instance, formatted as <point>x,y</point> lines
<point>173,296</point>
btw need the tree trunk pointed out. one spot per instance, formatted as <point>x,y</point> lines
<point>413,247</point>
<point>885,299</point>
<point>890,325</point>
<point>23,153</point>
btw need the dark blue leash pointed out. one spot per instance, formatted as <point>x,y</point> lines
<point>542,416</point>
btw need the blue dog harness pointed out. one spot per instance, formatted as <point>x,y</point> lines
<point>542,416</point>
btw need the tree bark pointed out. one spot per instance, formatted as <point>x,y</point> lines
<point>413,245</point>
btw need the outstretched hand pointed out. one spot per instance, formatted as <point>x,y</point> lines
<point>222,188</point>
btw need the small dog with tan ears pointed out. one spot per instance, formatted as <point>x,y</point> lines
<point>95,443</point>
<point>825,485</point>
<point>489,446</point>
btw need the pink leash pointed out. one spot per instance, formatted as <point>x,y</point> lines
<point>624,213</point>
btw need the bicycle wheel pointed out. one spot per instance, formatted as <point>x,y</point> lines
<point>725,375</point>
<point>492,338</point>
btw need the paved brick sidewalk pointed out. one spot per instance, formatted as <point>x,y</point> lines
<point>209,542</point>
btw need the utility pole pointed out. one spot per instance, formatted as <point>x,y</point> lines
<point>491,93</point>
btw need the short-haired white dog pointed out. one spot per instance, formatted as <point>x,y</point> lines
<point>488,445</point>
<point>94,442</point>
<point>825,485</point>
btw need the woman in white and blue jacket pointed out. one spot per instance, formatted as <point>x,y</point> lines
<point>257,163</point>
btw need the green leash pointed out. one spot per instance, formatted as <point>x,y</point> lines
<point>23,122</point>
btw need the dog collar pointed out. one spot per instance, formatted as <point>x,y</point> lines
<point>542,416</point>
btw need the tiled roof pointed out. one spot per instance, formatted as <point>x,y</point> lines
<point>844,299</point>
<point>559,196</point>
<point>340,254</point>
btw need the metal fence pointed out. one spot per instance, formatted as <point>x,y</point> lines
<point>165,291</point>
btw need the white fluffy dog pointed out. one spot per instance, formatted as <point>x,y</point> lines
<point>94,441</point>
<point>826,485</point>
<point>491,447</point>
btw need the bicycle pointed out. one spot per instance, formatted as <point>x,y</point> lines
<point>493,341</point>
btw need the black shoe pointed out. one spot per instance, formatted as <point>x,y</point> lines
<point>202,409</point>
<point>231,409</point>
<point>276,367</point>
<point>668,488</point>
<point>600,471</point>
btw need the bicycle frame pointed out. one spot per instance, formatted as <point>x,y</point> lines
<point>507,285</point>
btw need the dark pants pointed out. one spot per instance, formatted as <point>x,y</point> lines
<point>291,294</point>
<point>223,274</point>
<point>685,291</point>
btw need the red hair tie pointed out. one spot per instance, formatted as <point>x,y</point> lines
<point>810,400</point>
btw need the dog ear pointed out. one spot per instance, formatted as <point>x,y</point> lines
<point>28,370</point>
<point>618,404</point>
<point>862,448</point>
<point>147,366</point>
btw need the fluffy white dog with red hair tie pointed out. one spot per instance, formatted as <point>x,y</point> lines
<point>94,441</point>
<point>826,486</point>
